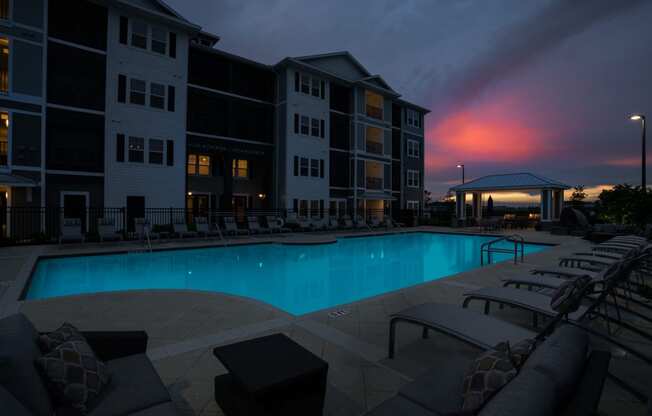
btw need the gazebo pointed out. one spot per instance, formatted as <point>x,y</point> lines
<point>552,193</point>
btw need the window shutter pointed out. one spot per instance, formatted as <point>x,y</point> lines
<point>295,205</point>
<point>171,98</point>
<point>296,124</point>
<point>250,167</point>
<point>120,148</point>
<point>173,45</point>
<point>322,127</point>
<point>323,90</point>
<point>124,30</point>
<point>296,166</point>
<point>321,168</point>
<point>297,81</point>
<point>170,152</point>
<point>122,88</point>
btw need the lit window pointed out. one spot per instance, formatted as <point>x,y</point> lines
<point>314,168</point>
<point>139,34</point>
<point>159,40</point>
<point>314,127</point>
<point>374,104</point>
<point>204,165</point>
<point>374,140</point>
<point>136,149</point>
<point>305,125</point>
<point>305,84</point>
<point>4,9</point>
<point>156,151</point>
<point>157,95</point>
<point>137,91</point>
<point>240,168</point>
<point>4,138</point>
<point>192,164</point>
<point>4,65</point>
<point>304,166</point>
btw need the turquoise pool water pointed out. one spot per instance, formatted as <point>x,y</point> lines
<point>297,279</point>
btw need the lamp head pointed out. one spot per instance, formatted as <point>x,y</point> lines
<point>637,117</point>
<point>459,165</point>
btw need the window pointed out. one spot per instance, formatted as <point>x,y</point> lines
<point>199,165</point>
<point>413,148</point>
<point>413,205</point>
<point>4,9</point>
<point>137,91</point>
<point>303,207</point>
<point>4,65</point>
<point>136,149</point>
<point>374,140</point>
<point>413,118</point>
<point>240,168</point>
<point>374,104</point>
<point>304,166</point>
<point>139,34</point>
<point>314,208</point>
<point>156,151</point>
<point>314,168</point>
<point>413,178</point>
<point>159,40</point>
<point>316,87</point>
<point>305,84</point>
<point>314,127</point>
<point>4,138</point>
<point>305,125</point>
<point>157,95</point>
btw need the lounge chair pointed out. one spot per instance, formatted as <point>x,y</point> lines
<point>318,223</point>
<point>71,231</point>
<point>276,224</point>
<point>106,230</point>
<point>332,223</point>
<point>205,229</point>
<point>389,222</point>
<point>374,222</point>
<point>254,226</point>
<point>143,230</point>
<point>361,223</point>
<point>181,229</point>
<point>303,223</point>
<point>232,228</point>
<point>347,224</point>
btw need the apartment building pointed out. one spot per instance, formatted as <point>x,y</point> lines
<point>134,106</point>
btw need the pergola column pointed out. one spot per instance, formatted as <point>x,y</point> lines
<point>477,205</point>
<point>558,203</point>
<point>546,207</point>
<point>460,205</point>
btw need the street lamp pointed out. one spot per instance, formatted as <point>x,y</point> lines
<point>461,166</point>
<point>641,118</point>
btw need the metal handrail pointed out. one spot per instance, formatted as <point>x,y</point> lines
<point>518,240</point>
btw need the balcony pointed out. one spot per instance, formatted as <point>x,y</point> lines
<point>374,112</point>
<point>375,183</point>
<point>4,147</point>
<point>374,147</point>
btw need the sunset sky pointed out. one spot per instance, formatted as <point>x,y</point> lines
<point>544,86</point>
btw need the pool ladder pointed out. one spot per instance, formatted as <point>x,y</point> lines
<point>518,250</point>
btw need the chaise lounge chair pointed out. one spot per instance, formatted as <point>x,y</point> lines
<point>71,231</point>
<point>205,229</point>
<point>181,229</point>
<point>106,230</point>
<point>254,226</point>
<point>360,223</point>
<point>347,224</point>
<point>276,224</point>
<point>232,228</point>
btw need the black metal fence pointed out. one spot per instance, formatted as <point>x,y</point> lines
<point>35,225</point>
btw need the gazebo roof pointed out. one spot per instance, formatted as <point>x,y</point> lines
<point>510,182</point>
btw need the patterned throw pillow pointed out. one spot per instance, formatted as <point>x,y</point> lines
<point>75,375</point>
<point>488,373</point>
<point>51,340</point>
<point>564,297</point>
<point>520,351</point>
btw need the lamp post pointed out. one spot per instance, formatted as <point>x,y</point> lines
<point>641,118</point>
<point>461,166</point>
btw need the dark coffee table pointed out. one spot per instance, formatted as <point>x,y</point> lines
<point>271,375</point>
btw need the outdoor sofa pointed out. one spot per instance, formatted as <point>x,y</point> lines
<point>134,387</point>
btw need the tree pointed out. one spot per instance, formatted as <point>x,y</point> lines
<point>625,204</point>
<point>427,197</point>
<point>578,196</point>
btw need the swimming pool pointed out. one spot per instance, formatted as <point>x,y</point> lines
<point>297,279</point>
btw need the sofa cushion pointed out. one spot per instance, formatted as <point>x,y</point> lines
<point>399,405</point>
<point>164,409</point>
<point>520,351</point>
<point>76,376</point>
<point>18,373</point>
<point>486,375</point>
<point>531,393</point>
<point>66,332</point>
<point>11,406</point>
<point>565,297</point>
<point>134,386</point>
<point>439,389</point>
<point>562,357</point>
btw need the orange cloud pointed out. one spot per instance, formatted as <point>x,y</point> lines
<point>627,162</point>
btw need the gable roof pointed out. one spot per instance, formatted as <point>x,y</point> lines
<point>157,9</point>
<point>345,54</point>
<point>511,181</point>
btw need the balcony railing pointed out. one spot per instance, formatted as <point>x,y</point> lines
<point>4,147</point>
<point>374,112</point>
<point>374,147</point>
<point>375,183</point>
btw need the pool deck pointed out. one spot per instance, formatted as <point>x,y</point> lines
<point>184,326</point>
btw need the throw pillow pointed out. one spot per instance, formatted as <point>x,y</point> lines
<point>488,373</point>
<point>520,352</point>
<point>564,298</point>
<point>75,375</point>
<point>51,340</point>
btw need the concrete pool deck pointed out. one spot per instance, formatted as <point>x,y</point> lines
<point>184,326</point>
